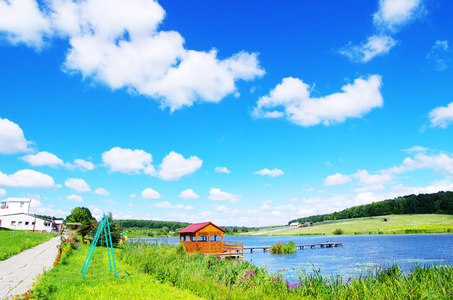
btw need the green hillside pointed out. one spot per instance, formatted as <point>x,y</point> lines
<point>391,224</point>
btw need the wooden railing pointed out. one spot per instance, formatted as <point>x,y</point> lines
<point>214,247</point>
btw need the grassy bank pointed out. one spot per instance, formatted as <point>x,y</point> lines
<point>21,241</point>
<point>150,271</point>
<point>391,224</point>
<point>64,280</point>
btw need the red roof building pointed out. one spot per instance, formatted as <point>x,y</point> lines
<point>207,238</point>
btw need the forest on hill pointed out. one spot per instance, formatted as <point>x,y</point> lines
<point>151,224</point>
<point>438,203</point>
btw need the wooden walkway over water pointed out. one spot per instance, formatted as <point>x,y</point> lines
<point>301,247</point>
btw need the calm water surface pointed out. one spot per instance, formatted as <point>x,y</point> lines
<point>360,254</point>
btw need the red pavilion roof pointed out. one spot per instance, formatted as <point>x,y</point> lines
<point>192,228</point>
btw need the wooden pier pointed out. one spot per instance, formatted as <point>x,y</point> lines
<point>301,247</point>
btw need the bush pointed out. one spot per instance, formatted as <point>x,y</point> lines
<point>338,231</point>
<point>281,248</point>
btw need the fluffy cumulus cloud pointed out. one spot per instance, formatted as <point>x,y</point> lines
<point>118,43</point>
<point>75,198</point>
<point>77,184</point>
<point>102,192</point>
<point>291,99</point>
<point>272,173</point>
<point>391,16</point>
<point>441,116</point>
<point>218,195</point>
<point>166,204</point>
<point>43,158</point>
<point>3,192</point>
<point>12,138</point>
<point>83,164</point>
<point>374,46</point>
<point>337,179</point>
<point>222,170</point>
<point>441,163</point>
<point>128,161</point>
<point>188,194</point>
<point>22,21</point>
<point>174,166</point>
<point>27,179</point>
<point>150,194</point>
<point>373,180</point>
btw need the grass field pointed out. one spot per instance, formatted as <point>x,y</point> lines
<point>22,240</point>
<point>150,271</point>
<point>64,280</point>
<point>395,224</point>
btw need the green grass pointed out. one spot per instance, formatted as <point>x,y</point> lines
<point>64,280</point>
<point>395,224</point>
<point>22,241</point>
<point>150,271</point>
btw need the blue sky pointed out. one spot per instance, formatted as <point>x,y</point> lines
<point>241,113</point>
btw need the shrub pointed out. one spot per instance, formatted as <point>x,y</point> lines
<point>338,231</point>
<point>281,248</point>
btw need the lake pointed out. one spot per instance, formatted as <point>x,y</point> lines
<point>360,254</point>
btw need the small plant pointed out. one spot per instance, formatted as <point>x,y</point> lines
<point>281,248</point>
<point>338,231</point>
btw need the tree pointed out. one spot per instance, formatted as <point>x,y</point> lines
<point>80,215</point>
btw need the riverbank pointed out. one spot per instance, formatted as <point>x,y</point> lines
<point>391,224</point>
<point>153,271</point>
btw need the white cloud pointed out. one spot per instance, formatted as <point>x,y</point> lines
<point>442,116</point>
<point>3,192</point>
<point>265,207</point>
<point>293,99</point>
<point>12,138</point>
<point>133,196</point>
<point>188,194</point>
<point>293,199</point>
<point>337,179</point>
<point>393,14</point>
<point>218,195</point>
<point>75,198</point>
<point>222,208</point>
<point>23,22</point>
<point>272,173</point>
<point>416,149</point>
<point>118,43</point>
<point>374,46</point>
<point>165,204</point>
<point>174,166</point>
<point>126,160</point>
<point>440,55</point>
<point>109,201</point>
<point>27,179</point>
<point>150,194</point>
<point>222,170</point>
<point>376,179</point>
<point>390,18</point>
<point>77,184</point>
<point>102,192</point>
<point>440,163</point>
<point>83,164</point>
<point>43,158</point>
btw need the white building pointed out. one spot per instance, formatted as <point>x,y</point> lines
<point>14,214</point>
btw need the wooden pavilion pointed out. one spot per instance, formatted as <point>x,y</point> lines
<point>207,238</point>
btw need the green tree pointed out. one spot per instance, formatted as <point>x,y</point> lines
<point>80,215</point>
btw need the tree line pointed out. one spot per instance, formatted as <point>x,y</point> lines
<point>151,224</point>
<point>438,203</point>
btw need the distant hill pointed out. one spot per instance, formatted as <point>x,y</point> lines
<point>151,224</point>
<point>438,203</point>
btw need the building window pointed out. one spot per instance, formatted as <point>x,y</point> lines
<point>20,223</point>
<point>22,204</point>
<point>13,223</point>
<point>32,223</point>
<point>26,223</point>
